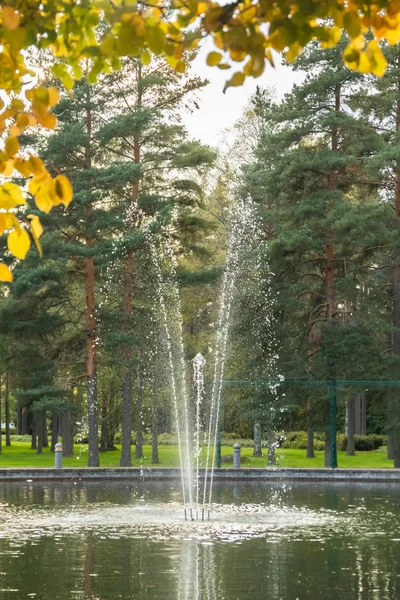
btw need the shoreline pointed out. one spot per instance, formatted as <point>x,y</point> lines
<point>174,474</point>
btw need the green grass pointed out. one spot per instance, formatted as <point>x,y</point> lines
<point>20,455</point>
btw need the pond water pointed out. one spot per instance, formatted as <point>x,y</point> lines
<point>270,541</point>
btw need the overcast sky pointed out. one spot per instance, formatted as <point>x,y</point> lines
<point>218,110</point>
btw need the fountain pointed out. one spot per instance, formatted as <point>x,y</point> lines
<point>244,232</point>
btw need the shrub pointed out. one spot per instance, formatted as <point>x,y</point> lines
<point>13,431</point>
<point>298,440</point>
<point>364,443</point>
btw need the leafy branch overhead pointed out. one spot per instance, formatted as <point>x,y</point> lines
<point>90,37</point>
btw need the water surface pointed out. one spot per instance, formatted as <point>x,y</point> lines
<point>274,541</point>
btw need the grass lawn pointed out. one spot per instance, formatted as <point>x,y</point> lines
<point>20,455</point>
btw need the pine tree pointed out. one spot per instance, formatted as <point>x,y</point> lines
<point>145,132</point>
<point>311,180</point>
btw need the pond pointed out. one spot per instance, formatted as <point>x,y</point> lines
<point>270,541</point>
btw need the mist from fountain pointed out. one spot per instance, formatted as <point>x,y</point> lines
<point>189,424</point>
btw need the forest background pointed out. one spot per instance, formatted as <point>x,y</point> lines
<point>81,348</point>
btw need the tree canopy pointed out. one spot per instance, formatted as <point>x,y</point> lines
<point>91,36</point>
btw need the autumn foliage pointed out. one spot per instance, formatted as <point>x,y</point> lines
<point>91,37</point>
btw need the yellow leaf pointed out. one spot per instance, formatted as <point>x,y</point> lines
<point>23,167</point>
<point>10,196</point>
<point>18,243</point>
<point>180,66</point>
<point>145,57</point>
<point>293,52</point>
<point>36,226</point>
<point>214,58</point>
<point>10,17</point>
<point>36,165</point>
<point>352,23</point>
<point>36,231</point>
<point>25,120</point>
<point>43,200</point>
<point>236,80</point>
<point>7,167</point>
<point>12,146</point>
<point>54,95</point>
<point>5,273</point>
<point>63,190</point>
<point>48,120</point>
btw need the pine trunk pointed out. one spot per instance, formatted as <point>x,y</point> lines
<point>154,423</point>
<point>350,451</point>
<point>67,434</point>
<point>126,452</point>
<point>390,451</point>
<point>329,272</point>
<point>34,434</point>
<point>364,413</point>
<point>39,431</point>
<point>1,433</point>
<point>394,403</point>
<point>54,430</point>
<point>7,409</point>
<point>357,414</point>
<point>310,440</point>
<point>44,431</point>
<point>19,420</point>
<point>104,423</point>
<point>271,447</point>
<point>24,421</point>
<point>93,426</point>
<point>257,451</point>
<point>139,408</point>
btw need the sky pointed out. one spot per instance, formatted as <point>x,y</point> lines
<point>218,110</point>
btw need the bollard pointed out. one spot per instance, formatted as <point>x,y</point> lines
<point>236,456</point>
<point>58,453</point>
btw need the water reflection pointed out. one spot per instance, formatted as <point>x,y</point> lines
<point>105,541</point>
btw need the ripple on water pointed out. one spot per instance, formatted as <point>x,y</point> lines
<point>228,523</point>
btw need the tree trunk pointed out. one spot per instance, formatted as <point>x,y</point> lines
<point>45,439</point>
<point>126,454</point>
<point>19,420</point>
<point>1,433</point>
<point>257,451</point>
<point>93,426</point>
<point>390,450</point>
<point>350,451</point>
<point>54,429</point>
<point>357,414</point>
<point>34,433</point>
<point>364,413</point>
<point>7,409</point>
<point>329,271</point>
<point>310,440</point>
<point>154,424</point>
<point>271,447</point>
<point>394,407</point>
<point>67,434</point>
<point>93,456</point>
<point>39,431</point>
<point>126,451</point>
<point>104,423</point>
<point>24,420</point>
<point>139,407</point>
